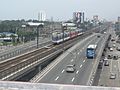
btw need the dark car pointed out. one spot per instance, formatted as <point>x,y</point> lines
<point>118,48</point>
<point>115,57</point>
<point>98,36</point>
<point>100,64</point>
<point>110,56</point>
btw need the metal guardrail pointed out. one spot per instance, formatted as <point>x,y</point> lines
<point>19,51</point>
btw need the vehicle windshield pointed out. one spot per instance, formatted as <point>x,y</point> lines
<point>90,51</point>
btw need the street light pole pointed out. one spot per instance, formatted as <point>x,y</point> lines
<point>39,26</point>
<point>37,36</point>
<point>24,27</point>
<point>64,27</point>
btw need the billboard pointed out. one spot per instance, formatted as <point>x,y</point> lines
<point>78,17</point>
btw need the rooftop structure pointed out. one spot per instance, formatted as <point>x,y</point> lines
<point>34,24</point>
<point>92,46</point>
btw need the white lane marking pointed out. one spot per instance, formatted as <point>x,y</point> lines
<point>13,64</point>
<point>83,61</point>
<point>77,72</point>
<point>62,71</point>
<point>80,66</point>
<point>78,53</point>
<point>52,65</point>
<point>72,60</point>
<point>73,79</point>
<point>57,78</point>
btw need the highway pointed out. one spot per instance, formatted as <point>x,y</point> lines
<point>114,67</point>
<point>78,57</point>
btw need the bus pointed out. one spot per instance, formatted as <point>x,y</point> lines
<point>90,52</point>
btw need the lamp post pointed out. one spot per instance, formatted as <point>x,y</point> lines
<point>23,26</point>
<point>64,27</point>
<point>39,26</point>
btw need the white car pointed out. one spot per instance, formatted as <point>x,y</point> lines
<point>112,76</point>
<point>105,59</point>
<point>111,49</point>
<point>113,45</point>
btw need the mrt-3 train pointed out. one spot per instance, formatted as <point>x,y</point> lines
<point>58,37</point>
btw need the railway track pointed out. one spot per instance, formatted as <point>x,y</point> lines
<point>13,61</point>
<point>12,65</point>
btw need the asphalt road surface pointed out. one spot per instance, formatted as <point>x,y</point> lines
<point>114,67</point>
<point>83,66</point>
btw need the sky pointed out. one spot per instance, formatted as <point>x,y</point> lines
<point>58,9</point>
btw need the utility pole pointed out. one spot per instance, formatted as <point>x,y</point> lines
<point>64,27</point>
<point>23,36</point>
<point>37,36</point>
<point>41,27</point>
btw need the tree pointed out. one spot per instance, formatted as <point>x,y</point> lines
<point>13,36</point>
<point>2,36</point>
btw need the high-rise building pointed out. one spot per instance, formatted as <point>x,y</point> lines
<point>41,16</point>
<point>83,14</point>
<point>78,17</point>
<point>118,19</point>
<point>95,18</point>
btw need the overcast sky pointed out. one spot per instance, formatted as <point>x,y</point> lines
<point>58,9</point>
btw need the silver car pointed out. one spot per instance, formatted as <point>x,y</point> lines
<point>70,68</point>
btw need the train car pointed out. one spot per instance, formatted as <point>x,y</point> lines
<point>66,36</point>
<point>54,37</point>
<point>72,34</point>
<point>58,37</point>
<point>79,31</point>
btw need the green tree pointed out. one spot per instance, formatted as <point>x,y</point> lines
<point>13,36</point>
<point>2,36</point>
